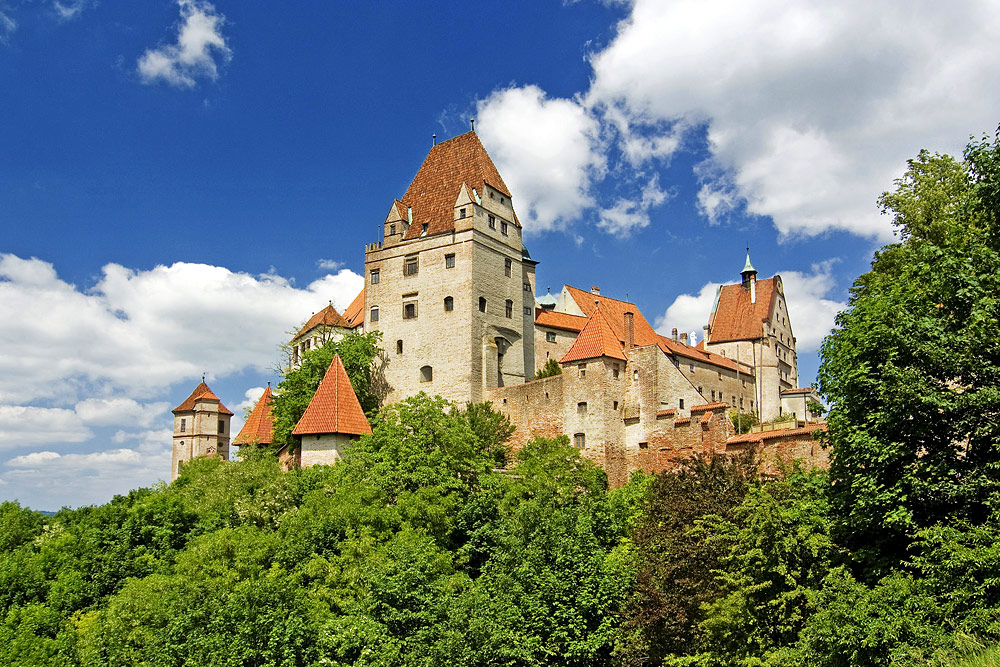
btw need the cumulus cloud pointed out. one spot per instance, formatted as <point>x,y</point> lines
<point>548,150</point>
<point>7,27</point>
<point>328,264</point>
<point>25,425</point>
<point>115,411</point>
<point>199,44</point>
<point>810,110</point>
<point>137,332</point>
<point>811,309</point>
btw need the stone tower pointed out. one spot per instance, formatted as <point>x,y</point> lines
<point>201,428</point>
<point>750,325</point>
<point>451,286</point>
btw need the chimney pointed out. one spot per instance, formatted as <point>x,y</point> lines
<point>595,290</point>
<point>673,334</point>
<point>629,330</point>
<point>753,289</point>
<point>684,338</point>
<point>705,338</point>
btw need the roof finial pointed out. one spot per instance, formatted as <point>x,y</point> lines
<point>202,377</point>
<point>472,123</point>
<point>434,140</point>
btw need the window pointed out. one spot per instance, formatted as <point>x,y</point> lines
<point>691,366</point>
<point>503,228</point>
<point>615,369</point>
<point>426,374</point>
<point>410,310</point>
<point>306,344</point>
<point>643,445</point>
<point>635,375</point>
<point>550,337</point>
<point>374,314</point>
<point>222,426</point>
<point>701,391</point>
<point>506,267</point>
<point>583,370</point>
<point>423,229</point>
<point>399,346</point>
<point>461,212</point>
<point>713,396</point>
<point>579,440</point>
<point>527,311</point>
<point>680,403</point>
<point>183,425</point>
<point>720,375</point>
<point>509,309</point>
<point>581,408</point>
<point>614,405</point>
<point>527,287</point>
<point>449,304</point>
<point>375,276</point>
<point>410,266</point>
<point>493,218</point>
<point>482,304</point>
<point>449,261</point>
<point>502,200</point>
<point>392,230</point>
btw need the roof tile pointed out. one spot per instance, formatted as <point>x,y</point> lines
<point>735,318</point>
<point>327,317</point>
<point>353,315</point>
<point>334,407</point>
<point>201,393</point>
<point>259,426</point>
<point>777,433</point>
<point>596,340</point>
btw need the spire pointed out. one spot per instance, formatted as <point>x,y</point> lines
<point>259,426</point>
<point>749,274</point>
<point>334,407</point>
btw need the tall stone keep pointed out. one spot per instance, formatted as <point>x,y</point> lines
<point>451,286</point>
<point>201,428</point>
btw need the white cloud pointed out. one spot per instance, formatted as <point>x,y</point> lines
<point>811,311</point>
<point>24,425</point>
<point>7,27</point>
<point>135,333</point>
<point>251,397</point>
<point>70,9</point>
<point>33,459</point>
<point>548,151</point>
<point>328,264</point>
<point>811,109</point>
<point>199,43</point>
<point>119,411</point>
<point>627,214</point>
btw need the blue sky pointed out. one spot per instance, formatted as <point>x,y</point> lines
<point>183,182</point>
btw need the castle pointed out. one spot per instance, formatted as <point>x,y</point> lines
<point>451,288</point>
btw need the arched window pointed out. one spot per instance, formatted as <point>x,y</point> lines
<point>449,304</point>
<point>426,374</point>
<point>482,304</point>
<point>374,314</point>
<point>399,346</point>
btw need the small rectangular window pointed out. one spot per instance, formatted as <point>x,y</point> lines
<point>614,371</point>
<point>583,370</point>
<point>509,309</point>
<point>680,403</point>
<point>482,304</point>
<point>581,407</point>
<point>423,229</point>
<point>410,310</point>
<point>527,287</point>
<point>643,445</point>
<point>691,366</point>
<point>392,230</point>
<point>375,276</point>
<point>222,426</point>
<point>614,405</point>
<point>579,440</point>
<point>503,228</point>
<point>493,218</point>
<point>410,266</point>
<point>527,311</point>
<point>461,213</point>
<point>550,337</point>
<point>506,267</point>
<point>449,261</point>
<point>374,314</point>
<point>183,425</point>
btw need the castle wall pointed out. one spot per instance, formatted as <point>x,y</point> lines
<point>556,349</point>
<point>323,449</point>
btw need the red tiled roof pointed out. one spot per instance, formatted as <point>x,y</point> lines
<point>201,393</point>
<point>596,340</point>
<point>260,424</point>
<point>670,346</point>
<point>353,315</point>
<point>554,320</point>
<point>334,408</point>
<point>707,407</point>
<point>777,433</point>
<point>327,317</point>
<point>435,188</point>
<point>799,390</point>
<point>665,413</point>
<point>735,318</point>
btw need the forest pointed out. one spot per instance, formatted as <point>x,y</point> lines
<point>432,544</point>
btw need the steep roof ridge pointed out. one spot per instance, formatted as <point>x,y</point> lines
<point>259,427</point>
<point>201,393</point>
<point>353,311</point>
<point>554,320</point>
<point>596,340</point>
<point>614,311</point>
<point>326,317</point>
<point>735,318</point>
<point>334,407</point>
<point>449,164</point>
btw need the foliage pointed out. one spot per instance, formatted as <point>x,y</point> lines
<point>815,408</point>
<point>743,421</point>
<point>362,358</point>
<point>913,369</point>
<point>550,368</point>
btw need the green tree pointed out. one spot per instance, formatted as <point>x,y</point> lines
<point>363,360</point>
<point>912,370</point>
<point>743,421</point>
<point>550,368</point>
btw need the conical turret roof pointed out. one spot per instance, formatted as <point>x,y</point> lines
<point>259,426</point>
<point>201,393</point>
<point>334,407</point>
